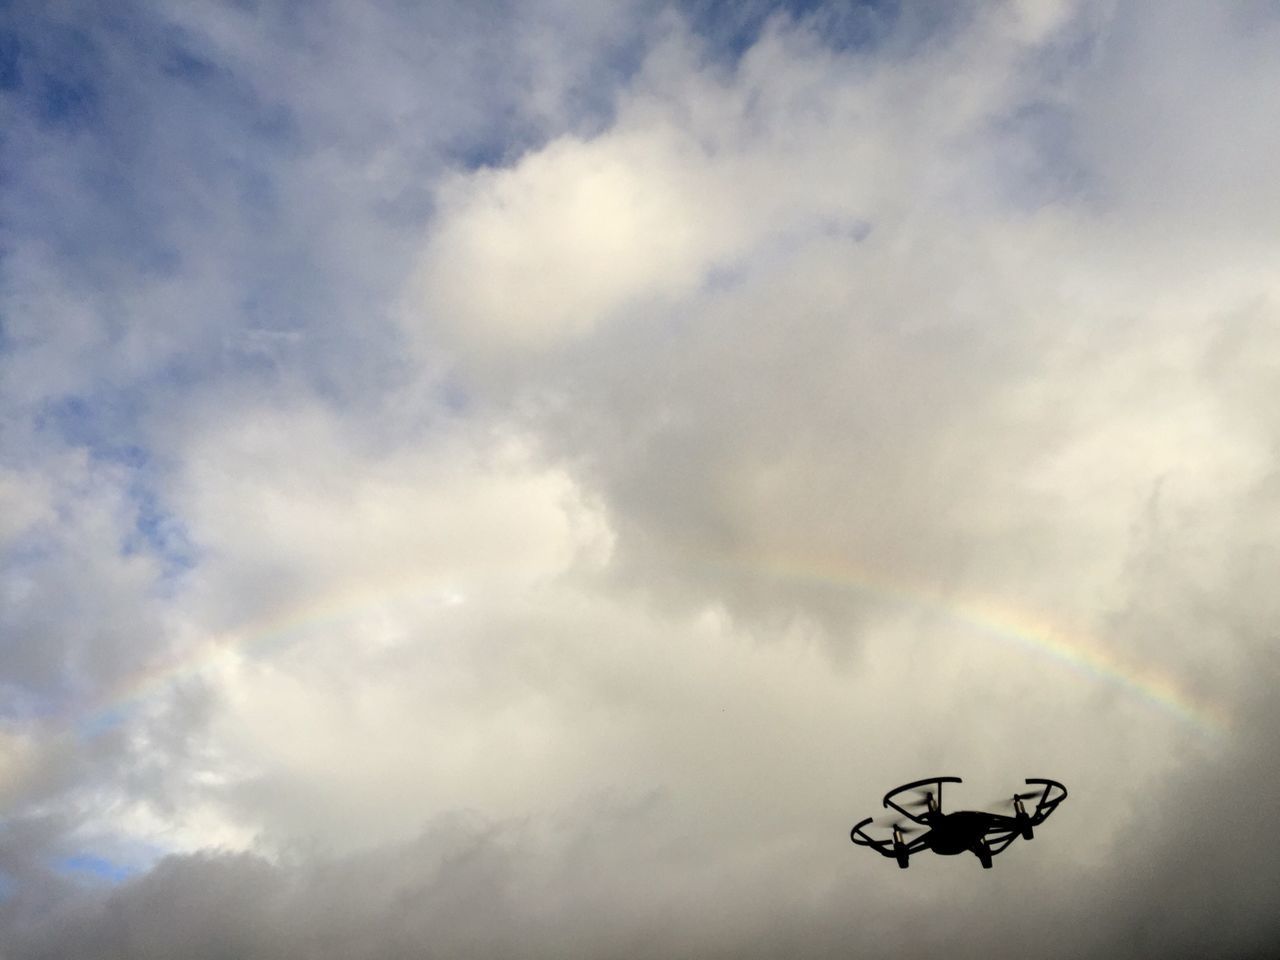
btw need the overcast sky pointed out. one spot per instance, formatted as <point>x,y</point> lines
<point>521,479</point>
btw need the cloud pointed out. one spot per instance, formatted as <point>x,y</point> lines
<point>521,482</point>
<point>613,222</point>
<point>191,222</point>
<point>773,375</point>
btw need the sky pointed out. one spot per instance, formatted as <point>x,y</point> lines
<point>495,480</point>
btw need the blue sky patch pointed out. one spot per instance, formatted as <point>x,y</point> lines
<point>10,70</point>
<point>103,427</point>
<point>732,28</point>
<point>182,64</point>
<point>159,531</point>
<point>94,869</point>
<point>54,68</point>
<point>66,101</point>
<point>103,721</point>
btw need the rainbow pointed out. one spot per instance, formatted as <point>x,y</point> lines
<point>276,628</point>
<point>1004,623</point>
<point>989,617</point>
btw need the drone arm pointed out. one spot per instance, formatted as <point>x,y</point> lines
<point>1047,803</point>
<point>918,844</point>
<point>1000,844</point>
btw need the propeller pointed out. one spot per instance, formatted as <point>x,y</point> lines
<point>920,801</point>
<point>1009,801</point>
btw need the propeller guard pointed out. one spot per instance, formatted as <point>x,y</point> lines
<point>932,781</point>
<point>1047,802</point>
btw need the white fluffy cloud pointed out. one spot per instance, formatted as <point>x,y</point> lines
<point>602,478</point>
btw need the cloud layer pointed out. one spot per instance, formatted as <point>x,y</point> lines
<point>523,481</point>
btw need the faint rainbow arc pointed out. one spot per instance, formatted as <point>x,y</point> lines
<point>335,607</point>
<point>1003,622</point>
<point>985,615</point>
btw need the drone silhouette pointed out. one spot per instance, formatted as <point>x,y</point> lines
<point>982,834</point>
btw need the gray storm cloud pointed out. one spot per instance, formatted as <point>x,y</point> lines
<point>524,482</point>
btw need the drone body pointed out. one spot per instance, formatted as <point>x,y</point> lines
<point>962,831</point>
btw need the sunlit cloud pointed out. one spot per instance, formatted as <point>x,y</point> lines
<point>523,480</point>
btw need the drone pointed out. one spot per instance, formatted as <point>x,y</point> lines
<point>982,834</point>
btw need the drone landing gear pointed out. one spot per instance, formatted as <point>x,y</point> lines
<point>900,850</point>
<point>1024,821</point>
<point>984,854</point>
